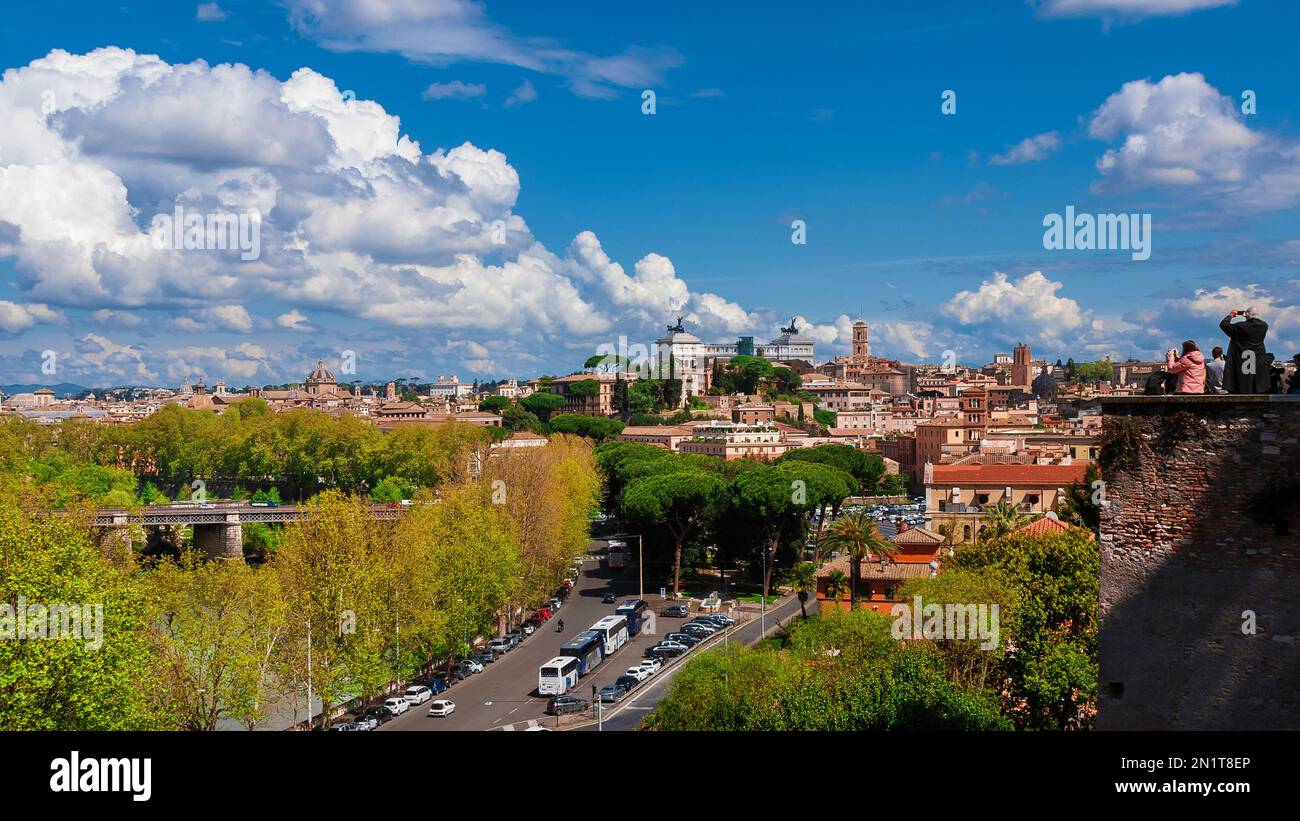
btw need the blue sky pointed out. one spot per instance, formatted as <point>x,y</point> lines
<point>927,225</point>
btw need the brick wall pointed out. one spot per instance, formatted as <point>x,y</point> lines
<point>1202,523</point>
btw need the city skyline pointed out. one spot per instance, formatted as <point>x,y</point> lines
<point>496,203</point>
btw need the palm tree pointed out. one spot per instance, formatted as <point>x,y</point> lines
<point>803,577</point>
<point>836,584</point>
<point>1003,518</point>
<point>948,530</point>
<point>857,534</point>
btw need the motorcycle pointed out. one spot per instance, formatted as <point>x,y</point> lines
<point>559,628</point>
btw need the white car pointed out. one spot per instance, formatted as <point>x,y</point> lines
<point>417,695</point>
<point>651,665</point>
<point>536,729</point>
<point>638,673</point>
<point>397,704</point>
<point>442,707</point>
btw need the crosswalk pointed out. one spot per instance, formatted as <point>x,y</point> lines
<point>519,726</point>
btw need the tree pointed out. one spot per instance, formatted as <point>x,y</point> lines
<point>1051,678</point>
<point>1003,518</point>
<point>592,427</point>
<point>219,626</point>
<point>99,675</point>
<point>837,672</point>
<point>679,501</point>
<point>782,497</point>
<point>836,584</point>
<point>1082,503</point>
<point>803,577</point>
<point>330,582</point>
<point>494,404</point>
<point>542,404</point>
<point>391,489</point>
<point>856,534</point>
<point>586,388</point>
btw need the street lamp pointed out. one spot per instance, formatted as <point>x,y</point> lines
<point>640,567</point>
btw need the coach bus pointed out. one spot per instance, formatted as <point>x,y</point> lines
<point>588,647</point>
<point>616,555</point>
<point>557,676</point>
<point>634,611</point>
<point>613,632</point>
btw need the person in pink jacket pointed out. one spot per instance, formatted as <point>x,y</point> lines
<point>1190,368</point>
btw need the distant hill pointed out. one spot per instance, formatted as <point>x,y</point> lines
<point>61,389</point>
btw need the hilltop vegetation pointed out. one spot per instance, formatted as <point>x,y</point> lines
<point>188,643</point>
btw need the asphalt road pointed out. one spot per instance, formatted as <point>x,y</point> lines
<point>502,697</point>
<point>629,713</point>
<point>503,694</point>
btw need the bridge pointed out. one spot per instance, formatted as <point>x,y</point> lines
<point>218,527</point>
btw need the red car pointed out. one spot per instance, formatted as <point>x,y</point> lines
<point>543,614</point>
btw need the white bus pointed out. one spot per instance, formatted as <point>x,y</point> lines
<point>614,631</point>
<point>557,676</point>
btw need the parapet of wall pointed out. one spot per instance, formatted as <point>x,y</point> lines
<point>1200,563</point>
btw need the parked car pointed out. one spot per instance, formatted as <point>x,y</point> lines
<point>397,704</point>
<point>437,685</point>
<point>628,682</point>
<point>543,614</point>
<point>668,649</point>
<point>676,611</point>
<point>483,656</point>
<point>442,707</point>
<point>684,638</point>
<point>459,672</point>
<point>473,664</point>
<point>700,631</point>
<point>723,619</point>
<point>417,694</point>
<point>379,715</point>
<point>367,722</point>
<point>639,673</point>
<point>343,727</point>
<point>537,728</point>
<point>652,665</point>
<point>612,693</point>
<point>559,705</point>
<point>553,605</point>
<point>516,636</point>
<point>501,645</point>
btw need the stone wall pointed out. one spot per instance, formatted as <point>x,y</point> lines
<point>1200,534</point>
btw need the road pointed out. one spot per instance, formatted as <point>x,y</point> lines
<point>629,714</point>
<point>502,696</point>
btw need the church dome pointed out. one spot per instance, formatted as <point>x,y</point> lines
<point>321,376</point>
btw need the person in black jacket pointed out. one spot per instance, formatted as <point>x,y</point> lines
<point>1248,365</point>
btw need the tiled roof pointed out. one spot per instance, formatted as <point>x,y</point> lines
<point>1045,526</point>
<point>882,571</point>
<point>917,536</point>
<point>1060,475</point>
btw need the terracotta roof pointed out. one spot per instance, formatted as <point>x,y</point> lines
<point>943,421</point>
<point>525,434</point>
<point>884,571</point>
<point>1045,526</point>
<point>917,536</point>
<point>1009,474</point>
